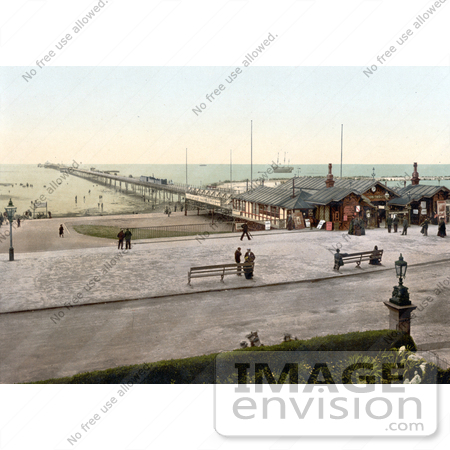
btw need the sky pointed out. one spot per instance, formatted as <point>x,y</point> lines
<point>120,115</point>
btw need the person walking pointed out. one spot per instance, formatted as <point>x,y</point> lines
<point>18,222</point>
<point>405,227</point>
<point>121,236</point>
<point>244,231</point>
<point>389,223</point>
<point>441,228</point>
<point>237,259</point>
<point>395,222</point>
<point>424,226</point>
<point>61,231</point>
<point>127,236</point>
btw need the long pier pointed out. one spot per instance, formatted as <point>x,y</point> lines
<point>218,199</point>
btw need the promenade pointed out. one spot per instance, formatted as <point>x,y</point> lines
<point>136,306</point>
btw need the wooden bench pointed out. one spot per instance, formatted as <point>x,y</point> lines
<point>359,257</point>
<point>211,271</point>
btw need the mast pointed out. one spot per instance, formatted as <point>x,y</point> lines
<point>342,135</point>
<point>251,154</point>
<point>186,169</point>
<point>231,172</point>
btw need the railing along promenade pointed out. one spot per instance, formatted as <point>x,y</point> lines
<point>181,230</point>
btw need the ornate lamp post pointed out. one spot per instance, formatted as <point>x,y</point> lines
<point>10,212</point>
<point>400,294</point>
<point>399,305</point>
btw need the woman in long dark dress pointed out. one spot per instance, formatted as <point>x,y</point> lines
<point>441,229</point>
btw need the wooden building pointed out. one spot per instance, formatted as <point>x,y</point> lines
<point>420,201</point>
<point>316,198</point>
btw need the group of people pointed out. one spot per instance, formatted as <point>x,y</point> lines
<point>424,230</point>
<point>357,227</point>
<point>127,236</point>
<point>248,266</point>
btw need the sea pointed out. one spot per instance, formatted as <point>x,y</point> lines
<point>76,196</point>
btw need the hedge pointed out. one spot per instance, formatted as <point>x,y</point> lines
<point>200,369</point>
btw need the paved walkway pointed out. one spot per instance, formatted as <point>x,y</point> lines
<point>42,235</point>
<point>159,267</point>
<point>154,273</point>
<point>97,337</point>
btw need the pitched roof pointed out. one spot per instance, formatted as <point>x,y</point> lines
<point>416,193</point>
<point>421,190</point>
<point>276,197</point>
<point>318,183</point>
<point>309,191</point>
<point>326,195</point>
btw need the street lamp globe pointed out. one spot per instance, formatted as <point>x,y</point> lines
<point>400,268</point>
<point>10,210</point>
<point>386,195</point>
<point>400,294</point>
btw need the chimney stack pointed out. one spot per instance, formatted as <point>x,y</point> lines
<point>329,181</point>
<point>415,176</point>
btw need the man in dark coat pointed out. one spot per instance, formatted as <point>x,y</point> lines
<point>389,223</point>
<point>290,222</point>
<point>405,227</point>
<point>395,222</point>
<point>338,260</point>
<point>237,258</point>
<point>127,236</point>
<point>356,227</point>
<point>424,229</point>
<point>362,227</point>
<point>441,229</point>
<point>350,227</point>
<point>61,231</point>
<point>121,236</point>
<point>245,231</point>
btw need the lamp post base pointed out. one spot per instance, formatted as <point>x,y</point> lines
<point>400,317</point>
<point>11,254</point>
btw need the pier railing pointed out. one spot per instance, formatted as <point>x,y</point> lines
<point>181,230</point>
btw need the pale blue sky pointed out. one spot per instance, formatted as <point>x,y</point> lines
<point>144,115</point>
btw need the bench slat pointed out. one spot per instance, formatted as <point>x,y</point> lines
<point>359,257</point>
<point>218,269</point>
<point>217,266</point>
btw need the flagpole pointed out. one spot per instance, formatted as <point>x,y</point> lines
<point>251,154</point>
<point>342,135</point>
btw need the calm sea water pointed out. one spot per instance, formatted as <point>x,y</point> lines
<point>61,202</point>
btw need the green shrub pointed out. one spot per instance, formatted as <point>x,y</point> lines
<point>200,369</point>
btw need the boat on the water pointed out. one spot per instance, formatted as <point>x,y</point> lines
<point>282,168</point>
